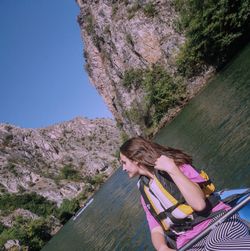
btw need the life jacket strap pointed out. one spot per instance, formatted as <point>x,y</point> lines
<point>205,183</point>
<point>181,227</point>
<point>211,201</point>
<point>199,217</point>
<point>185,224</point>
<point>172,208</point>
<point>166,214</point>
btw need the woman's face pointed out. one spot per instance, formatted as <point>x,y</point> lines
<point>129,166</point>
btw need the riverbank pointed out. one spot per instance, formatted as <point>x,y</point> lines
<point>193,89</point>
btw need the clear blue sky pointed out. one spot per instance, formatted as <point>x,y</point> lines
<point>42,74</point>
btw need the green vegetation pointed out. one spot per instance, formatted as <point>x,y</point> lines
<point>134,114</point>
<point>35,233</point>
<point>31,233</point>
<point>2,188</point>
<point>67,210</point>
<point>162,93</point>
<point>133,78</point>
<point>30,201</point>
<point>8,139</point>
<point>124,137</point>
<point>95,180</point>
<point>90,25</point>
<point>98,41</point>
<point>215,30</point>
<point>2,227</point>
<point>69,173</point>
<point>149,10</point>
<point>12,168</point>
<point>90,29</point>
<point>98,179</point>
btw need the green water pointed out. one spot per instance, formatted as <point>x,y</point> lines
<point>214,128</point>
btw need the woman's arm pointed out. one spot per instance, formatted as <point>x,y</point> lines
<point>190,190</point>
<point>158,239</point>
<point>157,233</point>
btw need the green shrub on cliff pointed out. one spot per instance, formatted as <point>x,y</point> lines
<point>31,233</point>
<point>162,93</point>
<point>2,227</point>
<point>133,78</point>
<point>96,179</point>
<point>30,201</point>
<point>67,210</point>
<point>149,9</point>
<point>215,30</point>
<point>68,172</point>
<point>90,24</point>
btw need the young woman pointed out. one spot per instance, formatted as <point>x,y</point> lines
<point>178,199</point>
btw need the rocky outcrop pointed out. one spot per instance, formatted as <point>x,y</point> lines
<point>123,35</point>
<point>41,160</point>
<point>25,214</point>
<point>12,245</point>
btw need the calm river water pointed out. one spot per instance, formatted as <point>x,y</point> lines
<point>214,128</point>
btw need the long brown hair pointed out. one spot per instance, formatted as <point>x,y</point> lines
<point>146,152</point>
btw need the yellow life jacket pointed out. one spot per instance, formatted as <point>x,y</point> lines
<point>168,206</point>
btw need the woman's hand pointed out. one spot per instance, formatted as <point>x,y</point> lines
<point>191,191</point>
<point>164,163</point>
<point>158,239</point>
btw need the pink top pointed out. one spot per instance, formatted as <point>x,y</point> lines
<point>182,239</point>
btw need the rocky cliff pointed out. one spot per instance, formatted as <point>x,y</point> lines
<point>55,161</point>
<point>122,36</point>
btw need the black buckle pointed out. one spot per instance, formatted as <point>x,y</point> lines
<point>182,226</point>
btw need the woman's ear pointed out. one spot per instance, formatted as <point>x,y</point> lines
<point>138,164</point>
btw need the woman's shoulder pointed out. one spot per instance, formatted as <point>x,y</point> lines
<point>190,172</point>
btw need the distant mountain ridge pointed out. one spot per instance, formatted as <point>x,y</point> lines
<point>54,161</point>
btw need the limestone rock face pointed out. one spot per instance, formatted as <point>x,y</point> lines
<point>120,35</point>
<point>133,34</point>
<point>33,159</point>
